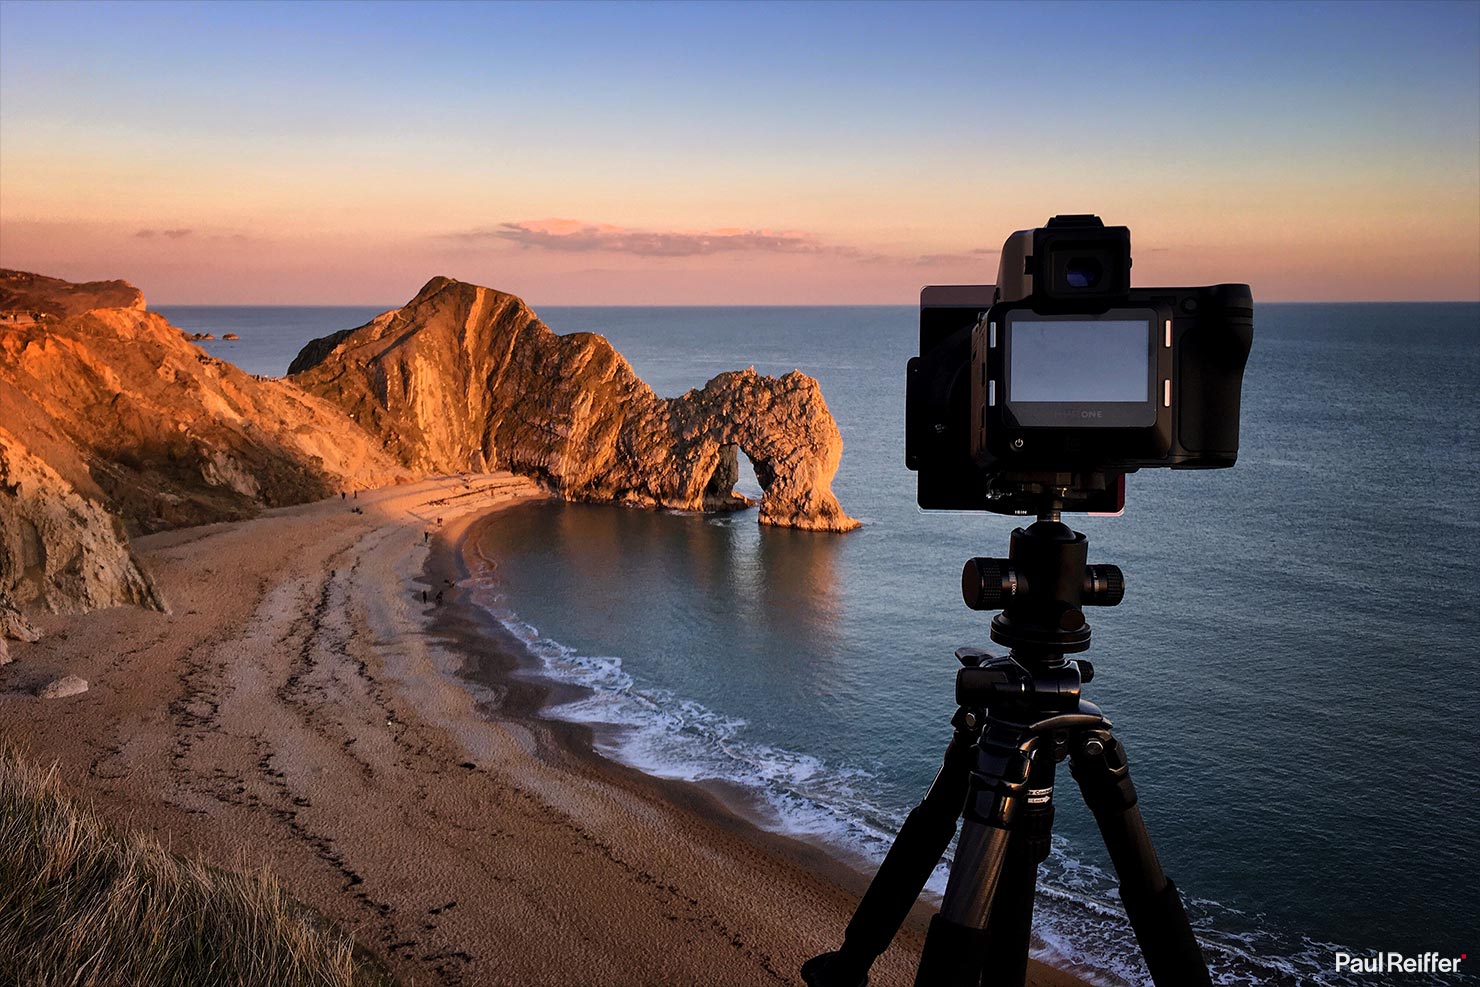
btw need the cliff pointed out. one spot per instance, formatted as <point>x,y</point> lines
<point>114,424</point>
<point>28,297</point>
<point>468,378</point>
<point>59,549</point>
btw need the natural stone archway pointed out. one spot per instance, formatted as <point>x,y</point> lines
<point>785,430</point>
<point>465,377</point>
<point>719,492</point>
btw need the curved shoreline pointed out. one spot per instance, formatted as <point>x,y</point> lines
<point>529,693</point>
<point>302,709</point>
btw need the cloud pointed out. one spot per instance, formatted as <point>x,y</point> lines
<point>964,257</point>
<point>171,234</point>
<point>576,236</point>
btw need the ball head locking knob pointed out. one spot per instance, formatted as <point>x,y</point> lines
<point>1104,585</point>
<point>987,584</point>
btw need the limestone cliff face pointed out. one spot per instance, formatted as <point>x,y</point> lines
<point>115,424</point>
<point>169,435</point>
<point>468,378</point>
<point>58,549</point>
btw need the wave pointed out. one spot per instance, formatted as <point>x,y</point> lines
<point>1078,923</point>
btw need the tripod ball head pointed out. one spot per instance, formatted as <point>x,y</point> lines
<point>1041,588</point>
<point>990,584</point>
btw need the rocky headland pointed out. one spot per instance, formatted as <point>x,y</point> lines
<point>113,424</point>
<point>467,378</point>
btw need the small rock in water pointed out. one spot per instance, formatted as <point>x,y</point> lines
<point>67,685</point>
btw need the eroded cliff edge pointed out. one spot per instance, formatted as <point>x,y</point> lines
<point>112,424</point>
<point>468,378</point>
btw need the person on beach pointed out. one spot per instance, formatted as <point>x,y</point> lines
<point>439,598</point>
<point>423,596</point>
<point>342,495</point>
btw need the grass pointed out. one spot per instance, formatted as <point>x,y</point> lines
<point>85,905</point>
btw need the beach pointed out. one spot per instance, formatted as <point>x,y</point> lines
<point>301,708</point>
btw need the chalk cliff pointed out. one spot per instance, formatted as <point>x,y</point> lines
<point>468,378</point>
<point>59,549</point>
<point>115,424</point>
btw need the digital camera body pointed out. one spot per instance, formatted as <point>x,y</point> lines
<point>1042,392</point>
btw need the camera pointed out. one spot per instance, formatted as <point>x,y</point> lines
<point>1041,392</point>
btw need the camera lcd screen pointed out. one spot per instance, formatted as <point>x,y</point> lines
<point>1080,361</point>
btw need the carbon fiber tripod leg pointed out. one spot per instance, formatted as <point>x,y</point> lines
<point>1004,959</point>
<point>1172,954</point>
<point>918,847</point>
<point>956,943</point>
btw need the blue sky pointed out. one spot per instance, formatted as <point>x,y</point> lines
<point>877,134</point>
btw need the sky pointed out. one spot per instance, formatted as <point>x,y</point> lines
<point>711,153</point>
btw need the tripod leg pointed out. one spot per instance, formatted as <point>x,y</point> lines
<point>956,942</point>
<point>1172,954</point>
<point>1004,961</point>
<point>918,847</point>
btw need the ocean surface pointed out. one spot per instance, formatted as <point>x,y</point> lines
<point>1293,671</point>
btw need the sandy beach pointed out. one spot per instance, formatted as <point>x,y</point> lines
<point>302,708</point>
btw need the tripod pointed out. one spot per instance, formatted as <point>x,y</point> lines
<point>1019,716</point>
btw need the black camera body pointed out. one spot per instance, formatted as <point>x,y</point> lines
<point>1042,392</point>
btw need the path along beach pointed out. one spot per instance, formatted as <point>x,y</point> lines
<point>301,708</point>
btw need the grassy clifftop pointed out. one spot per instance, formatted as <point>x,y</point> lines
<point>85,905</point>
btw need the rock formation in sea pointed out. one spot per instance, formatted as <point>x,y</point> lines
<point>112,424</point>
<point>468,378</point>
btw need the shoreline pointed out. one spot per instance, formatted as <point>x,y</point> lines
<point>389,761</point>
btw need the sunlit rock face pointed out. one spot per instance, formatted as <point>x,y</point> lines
<point>59,550</point>
<point>468,378</point>
<point>27,297</point>
<point>115,424</point>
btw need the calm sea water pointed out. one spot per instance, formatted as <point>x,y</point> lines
<point>270,335</point>
<point>1292,671</point>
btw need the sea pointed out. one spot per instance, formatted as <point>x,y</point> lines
<point>1293,671</point>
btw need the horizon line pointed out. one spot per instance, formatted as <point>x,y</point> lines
<point>153,306</point>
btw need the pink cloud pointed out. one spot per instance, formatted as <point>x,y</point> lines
<point>577,236</point>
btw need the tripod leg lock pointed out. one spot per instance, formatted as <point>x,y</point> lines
<point>1000,780</point>
<point>1100,768</point>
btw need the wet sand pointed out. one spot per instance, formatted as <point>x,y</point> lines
<point>301,708</point>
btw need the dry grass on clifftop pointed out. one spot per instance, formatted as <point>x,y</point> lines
<point>84,905</point>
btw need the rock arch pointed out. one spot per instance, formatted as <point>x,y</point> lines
<point>467,377</point>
